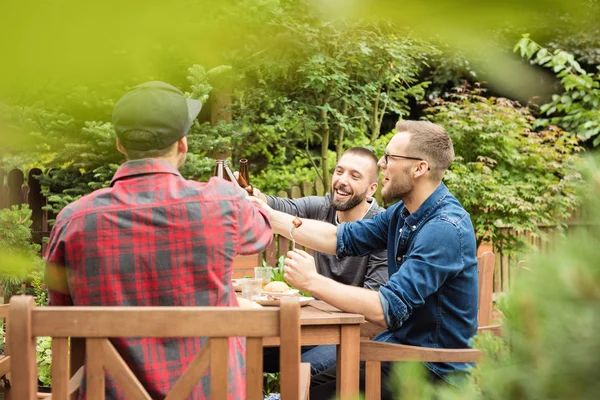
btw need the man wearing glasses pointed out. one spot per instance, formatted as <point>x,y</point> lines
<point>430,299</point>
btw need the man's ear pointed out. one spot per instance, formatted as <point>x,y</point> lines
<point>372,189</point>
<point>121,148</point>
<point>421,169</point>
<point>182,145</point>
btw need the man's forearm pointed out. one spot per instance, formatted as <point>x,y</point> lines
<point>350,299</point>
<point>317,235</point>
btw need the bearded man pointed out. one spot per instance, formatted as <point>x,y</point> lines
<point>353,184</point>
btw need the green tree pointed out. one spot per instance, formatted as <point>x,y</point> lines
<point>507,173</point>
<point>577,109</point>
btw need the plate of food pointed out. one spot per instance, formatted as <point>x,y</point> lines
<point>266,300</point>
<point>277,289</point>
<point>245,303</point>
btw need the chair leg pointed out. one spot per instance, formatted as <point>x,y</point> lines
<point>372,380</point>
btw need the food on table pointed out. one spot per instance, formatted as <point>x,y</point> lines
<point>276,287</point>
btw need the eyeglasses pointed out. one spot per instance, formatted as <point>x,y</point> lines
<point>386,155</point>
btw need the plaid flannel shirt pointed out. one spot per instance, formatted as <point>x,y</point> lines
<point>156,239</point>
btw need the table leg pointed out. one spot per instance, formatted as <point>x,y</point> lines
<point>348,362</point>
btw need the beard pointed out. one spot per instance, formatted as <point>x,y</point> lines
<point>400,189</point>
<point>354,199</point>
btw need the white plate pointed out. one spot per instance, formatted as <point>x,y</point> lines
<point>291,292</point>
<point>265,301</point>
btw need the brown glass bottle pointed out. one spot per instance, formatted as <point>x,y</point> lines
<point>244,171</point>
<point>244,178</point>
<point>220,170</point>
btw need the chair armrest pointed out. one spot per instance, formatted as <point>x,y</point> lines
<point>369,330</point>
<point>381,351</point>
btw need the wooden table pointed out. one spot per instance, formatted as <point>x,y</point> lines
<point>321,323</point>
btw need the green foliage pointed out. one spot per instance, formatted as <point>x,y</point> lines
<point>271,383</point>
<point>577,109</point>
<point>44,359</point>
<point>507,174</point>
<point>19,257</point>
<point>329,80</point>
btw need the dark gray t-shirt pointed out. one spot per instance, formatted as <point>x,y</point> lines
<point>369,271</point>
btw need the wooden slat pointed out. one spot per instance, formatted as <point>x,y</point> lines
<point>118,369</point>
<point>4,365</point>
<point>3,310</point>
<point>94,371</point>
<point>307,189</point>
<point>496,330</point>
<point>271,254</point>
<point>219,368</point>
<point>254,369</point>
<point>283,246</point>
<point>372,380</point>
<point>153,321</point>
<point>60,369</point>
<point>21,341</point>
<point>289,354</point>
<point>304,381</point>
<point>319,187</point>
<point>485,267</point>
<point>380,351</point>
<point>16,179</point>
<point>295,193</point>
<point>197,368</point>
<point>348,364</point>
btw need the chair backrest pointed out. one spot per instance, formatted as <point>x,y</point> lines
<point>485,269</point>
<point>97,324</point>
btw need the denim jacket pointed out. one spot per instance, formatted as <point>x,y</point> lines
<point>430,299</point>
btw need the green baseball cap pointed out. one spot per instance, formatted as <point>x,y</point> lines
<point>157,108</point>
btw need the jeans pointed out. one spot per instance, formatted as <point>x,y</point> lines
<point>323,385</point>
<point>320,358</point>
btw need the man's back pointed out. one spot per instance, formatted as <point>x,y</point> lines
<point>155,239</point>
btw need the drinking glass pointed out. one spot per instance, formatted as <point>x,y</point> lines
<point>263,273</point>
<point>251,289</point>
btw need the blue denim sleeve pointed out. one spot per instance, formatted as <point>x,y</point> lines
<point>362,237</point>
<point>385,305</point>
<point>435,255</point>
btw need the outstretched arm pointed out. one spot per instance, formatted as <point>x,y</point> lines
<point>317,235</point>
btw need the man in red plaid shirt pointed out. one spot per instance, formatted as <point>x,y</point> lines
<point>155,239</point>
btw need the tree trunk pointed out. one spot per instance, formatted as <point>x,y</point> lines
<point>374,118</point>
<point>325,144</point>
<point>340,139</point>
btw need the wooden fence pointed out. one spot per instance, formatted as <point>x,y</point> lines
<point>15,190</point>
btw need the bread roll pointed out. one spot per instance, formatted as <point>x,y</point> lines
<point>276,287</point>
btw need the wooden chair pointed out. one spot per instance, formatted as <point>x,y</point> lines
<point>373,353</point>
<point>96,324</point>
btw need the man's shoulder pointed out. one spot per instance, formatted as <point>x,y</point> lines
<point>452,211</point>
<point>85,204</point>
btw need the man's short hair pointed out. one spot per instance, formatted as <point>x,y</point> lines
<point>364,152</point>
<point>140,136</point>
<point>430,142</point>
